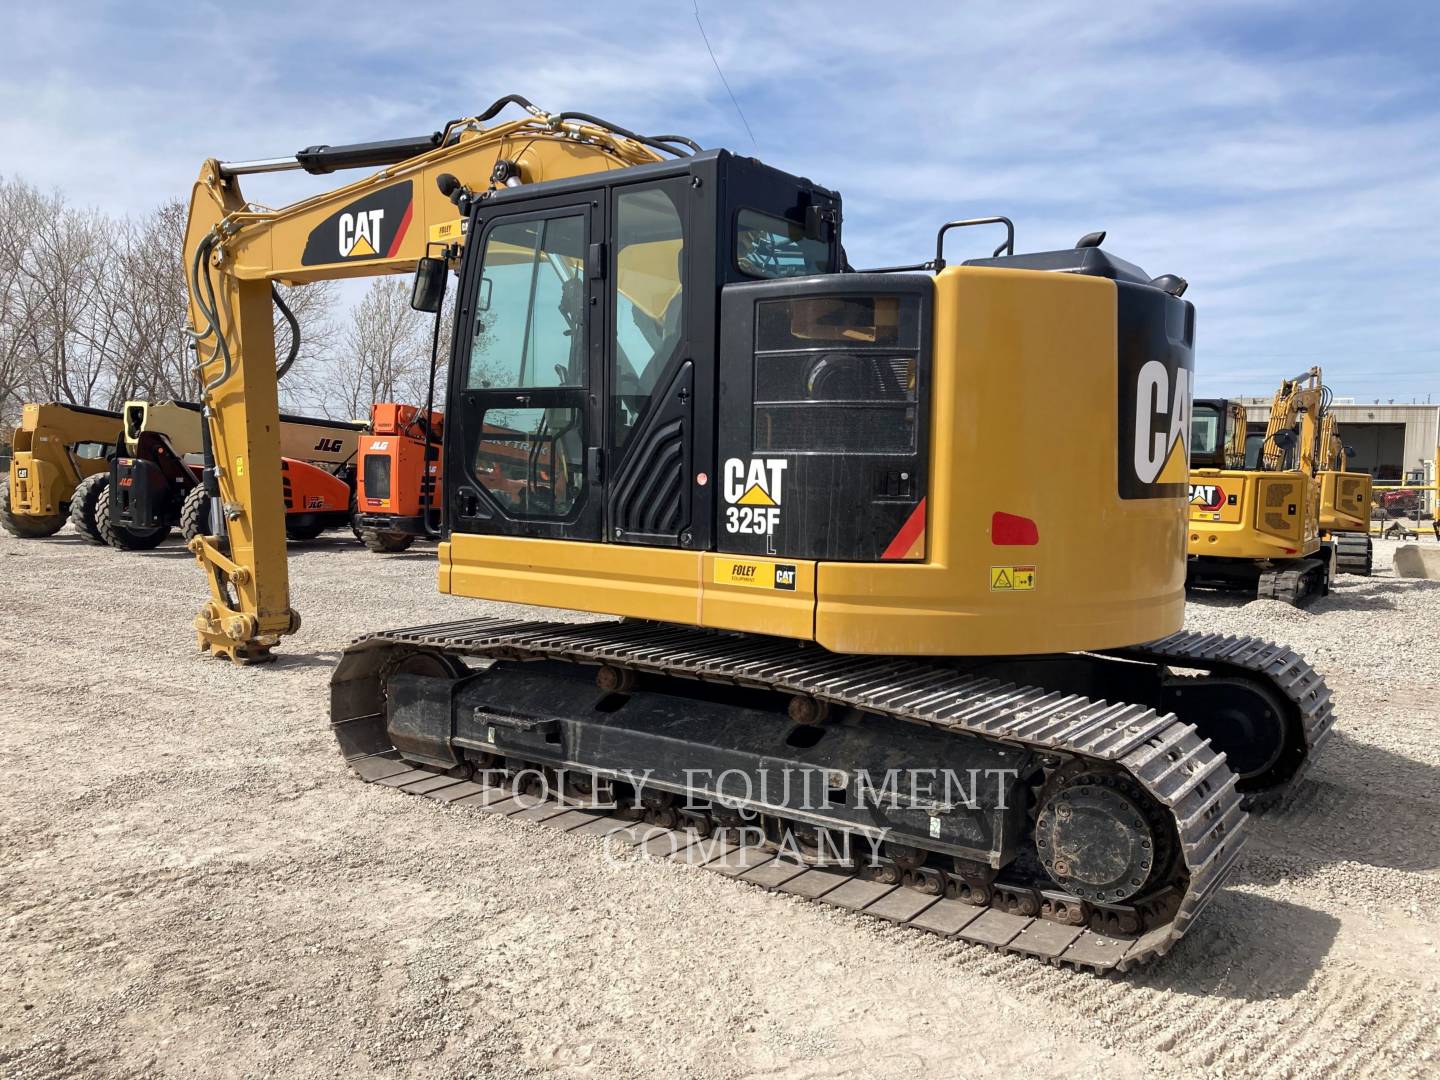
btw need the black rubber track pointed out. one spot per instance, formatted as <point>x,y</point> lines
<point>1164,756</point>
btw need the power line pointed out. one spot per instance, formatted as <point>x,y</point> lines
<point>706,38</point>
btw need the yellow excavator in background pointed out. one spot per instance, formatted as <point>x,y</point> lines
<point>61,467</point>
<point>1345,502</point>
<point>833,511</point>
<point>1257,527</point>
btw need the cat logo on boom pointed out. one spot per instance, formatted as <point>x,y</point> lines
<point>372,227</point>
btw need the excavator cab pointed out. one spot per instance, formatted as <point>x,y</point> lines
<point>664,380</point>
<point>586,377</point>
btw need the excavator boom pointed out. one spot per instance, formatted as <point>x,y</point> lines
<point>384,223</point>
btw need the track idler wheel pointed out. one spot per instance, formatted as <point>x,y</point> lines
<point>1244,721</point>
<point>1099,835</point>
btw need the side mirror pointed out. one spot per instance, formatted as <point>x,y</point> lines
<point>1284,439</point>
<point>819,223</point>
<point>428,291</point>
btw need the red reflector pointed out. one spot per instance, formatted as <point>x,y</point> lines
<point>1013,530</point>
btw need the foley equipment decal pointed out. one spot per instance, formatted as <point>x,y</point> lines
<point>371,227</point>
<point>755,575</point>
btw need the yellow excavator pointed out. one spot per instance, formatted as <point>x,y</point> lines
<point>1255,526</point>
<point>882,625</point>
<point>1346,497</point>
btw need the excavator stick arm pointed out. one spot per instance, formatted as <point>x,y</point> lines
<point>383,223</point>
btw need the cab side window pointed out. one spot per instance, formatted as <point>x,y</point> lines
<point>649,314</point>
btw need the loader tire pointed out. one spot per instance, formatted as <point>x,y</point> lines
<point>355,516</point>
<point>26,526</point>
<point>195,515</point>
<point>121,538</point>
<point>84,504</point>
<point>386,543</point>
<point>304,530</point>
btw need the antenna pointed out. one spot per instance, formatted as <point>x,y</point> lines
<point>706,38</point>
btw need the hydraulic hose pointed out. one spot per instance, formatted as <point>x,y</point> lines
<point>662,143</point>
<point>294,333</point>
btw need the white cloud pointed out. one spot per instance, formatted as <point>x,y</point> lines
<point>1285,162</point>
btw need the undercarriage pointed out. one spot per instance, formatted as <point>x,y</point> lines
<point>951,798</point>
<point>1291,581</point>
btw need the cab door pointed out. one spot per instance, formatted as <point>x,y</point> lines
<point>525,424</point>
<point>659,370</point>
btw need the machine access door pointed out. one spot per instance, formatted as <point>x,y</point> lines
<point>524,429</point>
<point>656,380</point>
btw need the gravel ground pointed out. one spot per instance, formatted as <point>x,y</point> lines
<point>192,884</point>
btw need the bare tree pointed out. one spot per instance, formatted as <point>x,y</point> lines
<point>93,310</point>
<point>384,352</point>
<point>18,219</point>
<point>56,329</point>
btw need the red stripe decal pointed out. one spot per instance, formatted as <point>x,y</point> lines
<point>400,231</point>
<point>908,534</point>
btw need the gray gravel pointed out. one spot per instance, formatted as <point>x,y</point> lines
<point>192,884</point>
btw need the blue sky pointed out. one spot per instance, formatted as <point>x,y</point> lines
<point>1284,157</point>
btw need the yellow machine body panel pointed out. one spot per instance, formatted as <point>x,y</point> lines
<point>178,421</point>
<point>1241,514</point>
<point>1345,499</point>
<point>1017,355</point>
<point>691,588</point>
<point>49,454</point>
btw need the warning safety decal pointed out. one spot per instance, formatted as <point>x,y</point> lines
<point>1012,578</point>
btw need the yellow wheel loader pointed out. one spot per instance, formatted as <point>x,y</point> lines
<point>55,448</point>
<point>1346,499</point>
<point>1256,528</point>
<point>854,642</point>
